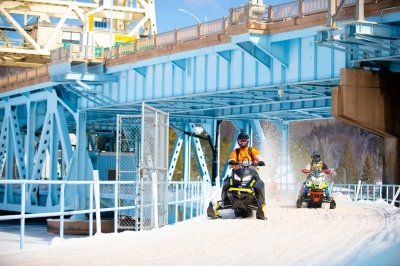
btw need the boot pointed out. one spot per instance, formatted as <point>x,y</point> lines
<point>328,197</point>
<point>260,214</point>
<point>224,199</point>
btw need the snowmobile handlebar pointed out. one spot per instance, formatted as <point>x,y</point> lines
<point>246,163</point>
<point>325,171</point>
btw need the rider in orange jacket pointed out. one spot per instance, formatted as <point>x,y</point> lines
<point>244,152</point>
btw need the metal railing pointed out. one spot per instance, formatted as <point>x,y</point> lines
<point>186,200</point>
<point>240,15</point>
<point>371,192</point>
<point>29,74</point>
<point>78,52</point>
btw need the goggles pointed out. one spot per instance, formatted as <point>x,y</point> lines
<point>242,141</point>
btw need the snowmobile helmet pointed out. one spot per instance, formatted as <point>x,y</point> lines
<point>316,156</point>
<point>243,139</point>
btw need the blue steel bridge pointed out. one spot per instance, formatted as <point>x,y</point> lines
<point>276,63</point>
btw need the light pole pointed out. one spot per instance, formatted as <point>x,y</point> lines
<point>185,11</point>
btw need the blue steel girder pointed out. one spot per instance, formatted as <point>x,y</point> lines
<point>198,152</point>
<point>175,155</point>
<point>3,141</point>
<point>11,144</point>
<point>31,117</point>
<point>87,92</point>
<point>206,83</point>
<point>17,143</point>
<point>250,102</point>
<point>90,78</point>
<point>256,52</point>
<point>186,132</point>
<point>369,44</point>
<point>222,105</point>
<point>202,84</point>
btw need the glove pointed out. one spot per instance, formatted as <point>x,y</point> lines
<point>231,162</point>
<point>261,163</point>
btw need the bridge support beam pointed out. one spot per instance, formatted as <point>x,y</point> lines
<point>369,100</point>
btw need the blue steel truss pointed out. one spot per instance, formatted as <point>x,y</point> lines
<point>243,77</point>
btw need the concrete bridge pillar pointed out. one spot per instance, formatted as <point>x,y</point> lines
<point>371,100</point>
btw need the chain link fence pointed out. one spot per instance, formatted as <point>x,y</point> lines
<point>142,146</point>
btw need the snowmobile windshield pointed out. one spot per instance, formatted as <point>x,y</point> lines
<point>246,163</point>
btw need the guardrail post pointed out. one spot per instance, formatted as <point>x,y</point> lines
<point>155,198</point>
<point>176,202</point>
<point>226,24</point>
<point>155,41</point>
<point>136,46</point>
<point>116,204</point>
<point>301,8</point>
<point>62,191</point>
<point>374,191</point>
<point>176,35</point>
<point>96,185</point>
<point>230,16</point>
<point>91,188</point>
<point>191,200</point>
<point>184,200</point>
<point>22,225</point>
<point>269,18</point>
<point>395,196</point>
<point>358,190</point>
<point>199,25</point>
<point>249,11</point>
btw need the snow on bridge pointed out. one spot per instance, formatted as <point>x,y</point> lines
<point>347,235</point>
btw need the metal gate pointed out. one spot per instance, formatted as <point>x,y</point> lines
<point>142,157</point>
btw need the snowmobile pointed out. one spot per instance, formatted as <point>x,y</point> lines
<point>316,184</point>
<point>241,194</point>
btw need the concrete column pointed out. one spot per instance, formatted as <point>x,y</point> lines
<point>369,100</point>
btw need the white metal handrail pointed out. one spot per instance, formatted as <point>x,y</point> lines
<point>187,198</point>
<point>371,192</point>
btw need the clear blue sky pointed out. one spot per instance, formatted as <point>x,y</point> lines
<point>169,18</point>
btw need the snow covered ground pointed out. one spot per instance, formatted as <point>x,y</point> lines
<point>360,233</point>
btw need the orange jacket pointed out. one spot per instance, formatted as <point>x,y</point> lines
<point>243,154</point>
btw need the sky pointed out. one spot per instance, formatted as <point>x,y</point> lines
<point>169,17</point>
<point>355,233</point>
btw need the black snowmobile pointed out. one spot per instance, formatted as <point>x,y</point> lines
<point>241,194</point>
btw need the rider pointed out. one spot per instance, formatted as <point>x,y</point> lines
<point>252,154</point>
<point>316,165</point>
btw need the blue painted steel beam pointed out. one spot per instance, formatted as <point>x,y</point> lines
<point>85,77</point>
<point>369,44</point>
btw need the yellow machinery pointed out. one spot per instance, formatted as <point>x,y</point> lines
<point>30,29</point>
